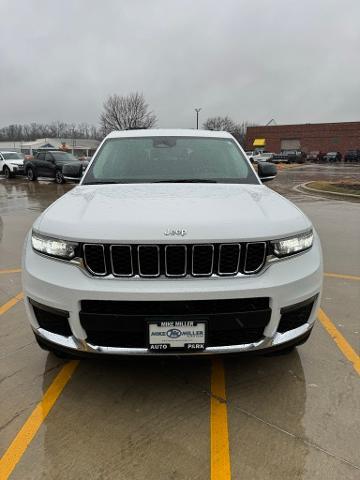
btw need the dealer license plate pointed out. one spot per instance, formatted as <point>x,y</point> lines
<point>176,334</point>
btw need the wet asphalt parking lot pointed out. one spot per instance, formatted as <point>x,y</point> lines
<point>255,417</point>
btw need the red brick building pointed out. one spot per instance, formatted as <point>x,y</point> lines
<point>326,137</point>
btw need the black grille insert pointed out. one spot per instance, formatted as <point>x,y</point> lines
<point>202,260</point>
<point>124,323</point>
<point>94,257</point>
<point>149,260</point>
<point>51,319</point>
<point>295,315</point>
<point>229,258</point>
<point>255,255</point>
<point>121,260</point>
<point>175,260</point>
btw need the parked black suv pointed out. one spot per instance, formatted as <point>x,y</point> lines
<point>50,164</point>
<point>289,156</point>
<point>352,156</point>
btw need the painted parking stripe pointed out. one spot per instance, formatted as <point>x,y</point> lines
<point>9,304</point>
<point>340,275</point>
<point>220,455</point>
<point>28,431</point>
<point>10,270</point>
<point>340,340</point>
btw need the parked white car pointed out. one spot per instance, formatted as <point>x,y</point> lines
<point>11,164</point>
<point>264,157</point>
<point>171,244</point>
<point>251,155</point>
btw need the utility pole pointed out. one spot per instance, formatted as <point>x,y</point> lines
<point>197,110</point>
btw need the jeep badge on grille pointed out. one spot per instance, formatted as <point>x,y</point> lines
<point>175,232</point>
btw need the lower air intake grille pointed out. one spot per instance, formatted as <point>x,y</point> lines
<point>295,315</point>
<point>51,319</point>
<point>124,323</point>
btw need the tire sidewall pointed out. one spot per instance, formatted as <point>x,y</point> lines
<point>7,172</point>
<point>30,174</point>
<point>59,179</point>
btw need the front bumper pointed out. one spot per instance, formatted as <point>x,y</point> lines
<point>61,285</point>
<point>17,170</point>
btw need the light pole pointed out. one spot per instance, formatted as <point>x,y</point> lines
<point>197,110</point>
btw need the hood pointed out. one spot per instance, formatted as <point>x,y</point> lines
<point>15,161</point>
<point>143,212</point>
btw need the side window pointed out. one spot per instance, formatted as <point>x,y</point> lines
<point>48,157</point>
<point>41,156</point>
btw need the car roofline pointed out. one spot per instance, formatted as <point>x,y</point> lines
<point>169,132</point>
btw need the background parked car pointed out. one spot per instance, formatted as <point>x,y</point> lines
<point>264,157</point>
<point>251,155</point>
<point>315,156</point>
<point>352,156</point>
<point>333,157</point>
<point>11,164</point>
<point>289,156</point>
<point>50,164</point>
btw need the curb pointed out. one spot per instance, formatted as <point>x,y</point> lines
<point>305,187</point>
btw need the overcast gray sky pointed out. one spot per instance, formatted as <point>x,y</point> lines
<point>295,61</point>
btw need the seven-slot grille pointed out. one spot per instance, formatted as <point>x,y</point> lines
<point>200,260</point>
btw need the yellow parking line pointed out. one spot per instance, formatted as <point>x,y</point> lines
<point>340,340</point>
<point>13,301</point>
<point>28,431</point>
<point>220,456</point>
<point>10,270</point>
<point>340,275</point>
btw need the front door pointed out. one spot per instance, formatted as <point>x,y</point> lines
<point>49,166</point>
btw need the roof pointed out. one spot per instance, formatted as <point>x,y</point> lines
<point>169,132</point>
<point>56,142</point>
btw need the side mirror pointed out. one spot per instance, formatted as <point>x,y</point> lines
<point>72,171</point>
<point>267,171</point>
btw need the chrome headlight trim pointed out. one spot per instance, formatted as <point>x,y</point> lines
<point>293,245</point>
<point>53,247</point>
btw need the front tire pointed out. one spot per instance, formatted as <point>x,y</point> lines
<point>8,174</point>
<point>31,175</point>
<point>59,179</point>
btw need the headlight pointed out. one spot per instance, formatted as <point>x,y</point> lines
<point>291,245</point>
<point>53,246</point>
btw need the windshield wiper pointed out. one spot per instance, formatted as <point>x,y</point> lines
<point>186,180</point>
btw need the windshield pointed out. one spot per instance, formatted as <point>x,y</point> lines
<point>169,159</point>
<point>62,157</point>
<point>12,156</point>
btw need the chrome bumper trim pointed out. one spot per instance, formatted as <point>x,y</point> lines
<point>82,346</point>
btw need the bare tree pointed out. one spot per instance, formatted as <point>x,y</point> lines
<point>56,129</point>
<point>126,112</point>
<point>220,123</point>
<point>238,130</point>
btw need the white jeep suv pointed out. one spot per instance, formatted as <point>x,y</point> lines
<point>171,244</point>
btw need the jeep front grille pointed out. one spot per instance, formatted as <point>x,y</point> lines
<point>200,260</point>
